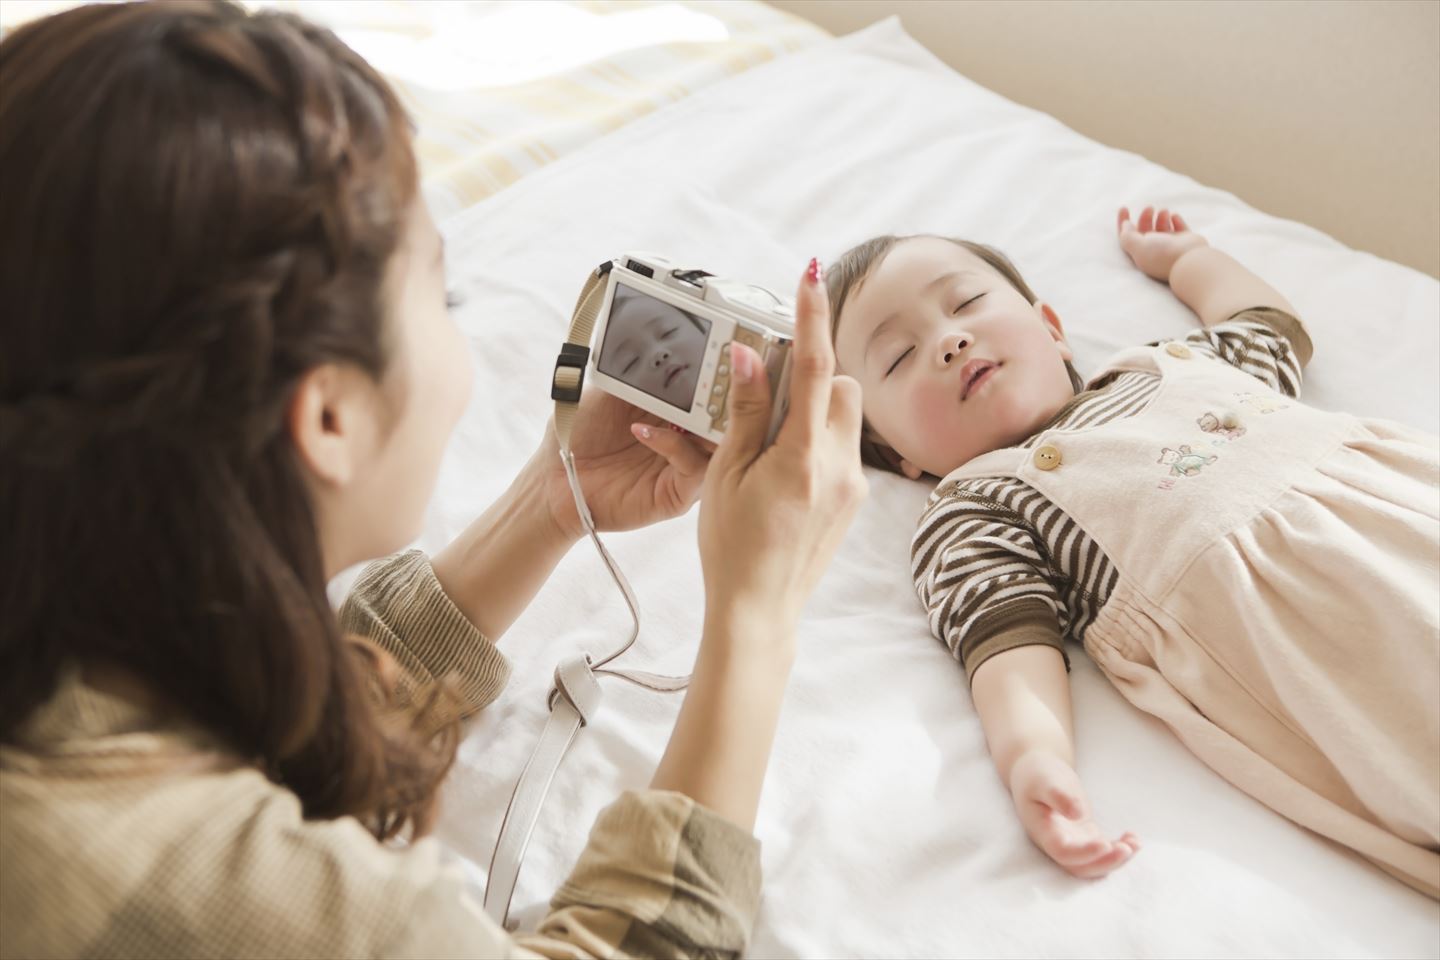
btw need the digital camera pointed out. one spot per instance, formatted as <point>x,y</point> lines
<point>662,337</point>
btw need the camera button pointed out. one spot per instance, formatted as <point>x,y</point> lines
<point>714,409</point>
<point>750,338</point>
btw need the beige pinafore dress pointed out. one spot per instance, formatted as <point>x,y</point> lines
<point>1278,602</point>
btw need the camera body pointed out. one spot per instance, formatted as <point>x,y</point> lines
<point>662,341</point>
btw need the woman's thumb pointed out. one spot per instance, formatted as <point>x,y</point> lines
<point>749,407</point>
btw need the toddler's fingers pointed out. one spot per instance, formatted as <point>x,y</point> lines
<point>1147,219</point>
<point>681,452</point>
<point>1162,221</point>
<point>1072,854</point>
<point>1180,224</point>
<point>1102,865</point>
<point>1122,219</point>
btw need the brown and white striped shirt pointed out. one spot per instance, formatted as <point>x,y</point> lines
<point>998,565</point>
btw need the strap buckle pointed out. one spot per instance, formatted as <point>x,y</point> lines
<point>569,377</point>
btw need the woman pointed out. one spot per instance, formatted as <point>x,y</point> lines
<point>227,374</point>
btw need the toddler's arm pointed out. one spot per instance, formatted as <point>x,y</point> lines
<point>1211,283</point>
<point>1023,698</point>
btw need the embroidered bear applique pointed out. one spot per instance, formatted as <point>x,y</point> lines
<point>1185,462</point>
<point>1229,427</point>
<point>1263,404</point>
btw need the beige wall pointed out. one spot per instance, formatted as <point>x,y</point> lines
<point>1326,111</point>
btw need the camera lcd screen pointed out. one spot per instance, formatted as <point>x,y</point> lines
<point>653,346</point>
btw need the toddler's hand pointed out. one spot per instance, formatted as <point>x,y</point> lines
<point>1157,241</point>
<point>1052,806</point>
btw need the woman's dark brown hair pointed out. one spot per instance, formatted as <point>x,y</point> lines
<point>197,205</point>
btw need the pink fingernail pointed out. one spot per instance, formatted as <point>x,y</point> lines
<point>641,431</point>
<point>815,272</point>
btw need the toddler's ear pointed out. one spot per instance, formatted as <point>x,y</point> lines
<point>874,446</point>
<point>1051,319</point>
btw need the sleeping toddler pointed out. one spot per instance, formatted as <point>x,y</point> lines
<point>1258,574</point>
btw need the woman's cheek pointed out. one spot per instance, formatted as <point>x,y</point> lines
<point>459,375</point>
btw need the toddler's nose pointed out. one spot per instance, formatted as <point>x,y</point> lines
<point>951,346</point>
<point>661,358</point>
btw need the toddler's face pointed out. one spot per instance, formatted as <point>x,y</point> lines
<point>653,347</point>
<point>953,361</point>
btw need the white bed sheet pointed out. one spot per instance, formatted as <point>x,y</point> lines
<point>885,830</point>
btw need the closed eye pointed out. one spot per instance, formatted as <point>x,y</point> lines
<point>968,302</point>
<point>629,366</point>
<point>897,361</point>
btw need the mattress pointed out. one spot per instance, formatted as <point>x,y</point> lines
<point>885,830</point>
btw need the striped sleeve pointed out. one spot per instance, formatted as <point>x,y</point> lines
<point>1269,344</point>
<point>983,579</point>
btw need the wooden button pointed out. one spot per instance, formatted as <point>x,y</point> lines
<point>1047,457</point>
<point>1178,350</point>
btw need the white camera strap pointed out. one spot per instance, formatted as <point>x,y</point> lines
<point>575,698</point>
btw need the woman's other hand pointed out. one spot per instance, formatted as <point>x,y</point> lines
<point>1052,806</point>
<point>1157,241</point>
<point>635,470</point>
<point>773,516</point>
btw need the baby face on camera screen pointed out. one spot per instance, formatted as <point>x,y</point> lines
<point>653,346</point>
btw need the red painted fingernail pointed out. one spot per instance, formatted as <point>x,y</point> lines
<point>815,272</point>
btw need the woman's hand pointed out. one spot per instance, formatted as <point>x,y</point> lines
<point>1052,806</point>
<point>633,472</point>
<point>634,469</point>
<point>1157,241</point>
<point>770,521</point>
<point>773,517</point>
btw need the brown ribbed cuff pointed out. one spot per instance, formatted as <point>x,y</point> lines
<point>1286,325</point>
<point>398,603</point>
<point>1022,623</point>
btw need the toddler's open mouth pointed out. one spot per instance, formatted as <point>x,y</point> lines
<point>976,373</point>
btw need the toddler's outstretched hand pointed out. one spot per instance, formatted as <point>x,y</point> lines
<point>1052,806</point>
<point>1157,241</point>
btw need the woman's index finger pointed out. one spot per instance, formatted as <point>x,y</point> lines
<point>813,361</point>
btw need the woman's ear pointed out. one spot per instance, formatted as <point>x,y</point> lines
<point>331,422</point>
<point>1051,319</point>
